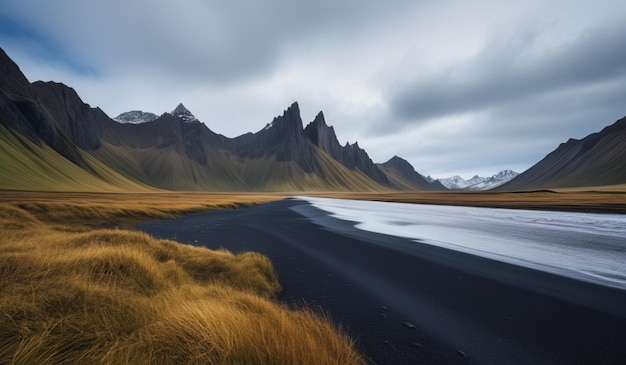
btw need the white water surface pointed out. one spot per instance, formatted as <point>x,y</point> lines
<point>585,246</point>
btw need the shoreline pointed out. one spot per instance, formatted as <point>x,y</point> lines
<point>430,306</point>
<point>605,202</point>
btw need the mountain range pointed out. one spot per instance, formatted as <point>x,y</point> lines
<point>50,140</point>
<point>478,182</point>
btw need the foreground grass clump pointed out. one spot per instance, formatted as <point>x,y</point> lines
<point>71,294</point>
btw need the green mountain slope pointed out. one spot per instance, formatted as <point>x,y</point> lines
<point>25,165</point>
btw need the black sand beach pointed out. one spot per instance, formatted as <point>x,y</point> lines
<point>408,303</point>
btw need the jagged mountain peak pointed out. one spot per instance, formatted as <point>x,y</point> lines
<point>292,113</point>
<point>184,114</point>
<point>319,124</point>
<point>322,135</point>
<point>282,138</point>
<point>293,108</point>
<point>506,173</point>
<point>289,121</point>
<point>180,108</point>
<point>320,120</point>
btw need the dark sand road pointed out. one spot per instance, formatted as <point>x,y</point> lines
<point>408,303</point>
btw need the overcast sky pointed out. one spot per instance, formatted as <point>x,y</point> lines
<point>454,87</point>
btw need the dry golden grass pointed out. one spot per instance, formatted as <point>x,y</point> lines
<point>79,211</point>
<point>604,199</point>
<point>76,294</point>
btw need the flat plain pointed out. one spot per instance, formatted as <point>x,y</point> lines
<point>606,199</point>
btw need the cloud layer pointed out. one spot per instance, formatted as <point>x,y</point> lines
<point>456,87</point>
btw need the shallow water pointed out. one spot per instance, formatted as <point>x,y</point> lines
<point>585,246</point>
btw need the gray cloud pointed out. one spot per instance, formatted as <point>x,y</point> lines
<point>455,87</point>
<point>209,41</point>
<point>512,69</point>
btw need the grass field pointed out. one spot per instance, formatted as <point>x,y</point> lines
<point>76,289</point>
<point>608,199</point>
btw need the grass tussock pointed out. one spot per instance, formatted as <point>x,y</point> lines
<point>75,294</point>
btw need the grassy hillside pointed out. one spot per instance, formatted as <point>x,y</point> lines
<point>25,165</point>
<point>271,175</point>
<point>168,169</point>
<point>397,179</point>
<point>75,294</point>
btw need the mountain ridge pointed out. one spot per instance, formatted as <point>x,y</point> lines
<point>175,151</point>
<point>46,126</point>
<point>595,160</point>
<point>478,183</point>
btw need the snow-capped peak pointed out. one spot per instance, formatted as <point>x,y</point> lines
<point>477,182</point>
<point>184,114</point>
<point>504,174</point>
<point>135,117</point>
<point>454,182</point>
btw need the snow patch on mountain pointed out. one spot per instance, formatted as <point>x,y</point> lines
<point>135,117</point>
<point>477,182</point>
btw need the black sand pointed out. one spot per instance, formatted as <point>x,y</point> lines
<point>408,303</point>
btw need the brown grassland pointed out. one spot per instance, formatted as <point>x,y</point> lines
<point>79,288</point>
<point>609,199</point>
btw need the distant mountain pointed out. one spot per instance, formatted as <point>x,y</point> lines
<point>135,117</point>
<point>477,182</point>
<point>51,140</point>
<point>455,182</point>
<point>404,177</point>
<point>596,160</point>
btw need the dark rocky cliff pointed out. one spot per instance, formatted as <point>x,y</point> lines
<point>47,112</point>
<point>282,138</point>
<point>351,156</point>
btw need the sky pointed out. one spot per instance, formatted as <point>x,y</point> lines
<point>455,87</point>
